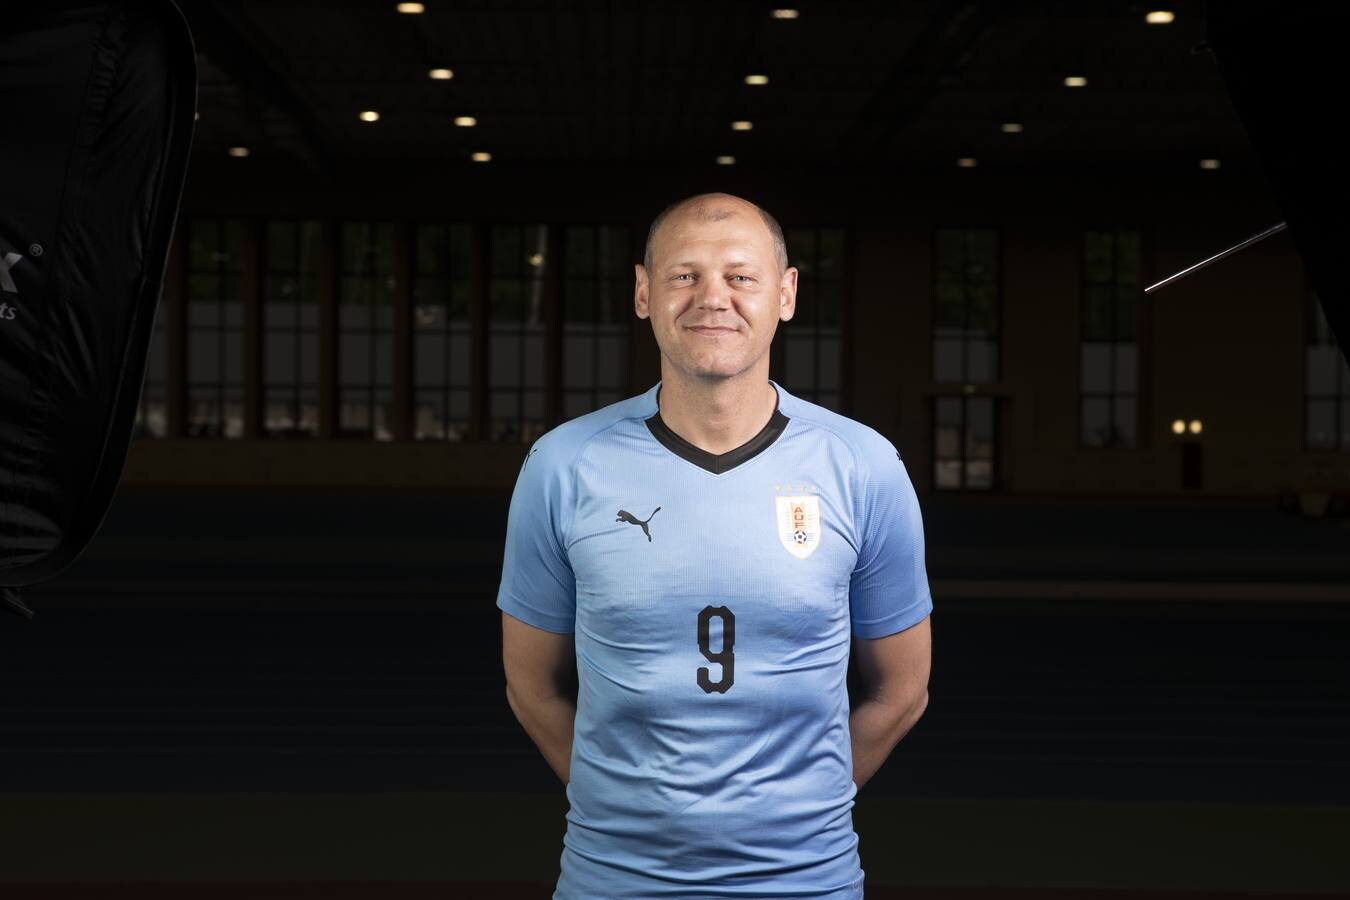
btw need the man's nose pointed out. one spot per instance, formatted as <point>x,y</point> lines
<point>714,294</point>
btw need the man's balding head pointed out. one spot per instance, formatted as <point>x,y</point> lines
<point>712,208</point>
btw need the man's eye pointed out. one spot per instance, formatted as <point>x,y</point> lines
<point>683,275</point>
<point>742,277</point>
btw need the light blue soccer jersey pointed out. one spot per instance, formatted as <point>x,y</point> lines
<point>712,598</point>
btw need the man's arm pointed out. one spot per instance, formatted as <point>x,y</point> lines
<point>541,688</point>
<point>894,671</point>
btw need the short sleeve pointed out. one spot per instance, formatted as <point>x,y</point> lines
<point>538,585</point>
<point>888,591</point>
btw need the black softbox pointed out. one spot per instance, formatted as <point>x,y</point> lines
<point>97,123</point>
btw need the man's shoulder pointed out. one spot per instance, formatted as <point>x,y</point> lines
<point>560,445</point>
<point>866,443</point>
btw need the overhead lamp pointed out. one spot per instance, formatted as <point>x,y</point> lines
<point>412,9</point>
<point>1075,81</point>
<point>1160,17</point>
<point>239,151</point>
<point>784,14</point>
<point>726,160</point>
<point>1209,164</point>
<point>757,79</point>
<point>441,74</point>
<point>1195,426</point>
<point>481,156</point>
<point>742,125</point>
<point>966,162</point>
<point>1011,127</point>
<point>465,121</point>
<point>1178,426</point>
<point>369,115</point>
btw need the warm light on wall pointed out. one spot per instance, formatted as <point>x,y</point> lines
<point>1178,426</point>
<point>480,156</point>
<point>1160,17</point>
<point>369,115</point>
<point>757,79</point>
<point>726,160</point>
<point>1195,427</point>
<point>1075,81</point>
<point>239,151</point>
<point>441,74</point>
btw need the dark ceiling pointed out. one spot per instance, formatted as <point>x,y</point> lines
<point>851,82</point>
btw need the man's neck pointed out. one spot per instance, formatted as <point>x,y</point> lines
<point>716,416</point>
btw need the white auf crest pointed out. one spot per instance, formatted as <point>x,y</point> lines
<point>798,524</point>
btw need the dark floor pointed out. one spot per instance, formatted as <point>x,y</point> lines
<point>172,656</point>
<point>318,649</point>
<point>1133,701</point>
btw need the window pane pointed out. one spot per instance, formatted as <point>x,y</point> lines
<point>1321,424</point>
<point>1127,367</point>
<point>1096,368</point>
<point>979,428</point>
<point>1323,365</point>
<point>1127,312</point>
<point>948,358</point>
<point>1098,257</point>
<point>1096,422</point>
<point>981,362</point>
<point>1125,419</point>
<point>1128,260</point>
<point>1097,310</point>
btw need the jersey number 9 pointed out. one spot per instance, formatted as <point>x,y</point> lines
<point>725,656</point>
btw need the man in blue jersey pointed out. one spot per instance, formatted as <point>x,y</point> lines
<point>685,573</point>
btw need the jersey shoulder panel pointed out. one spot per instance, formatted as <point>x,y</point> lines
<point>559,447</point>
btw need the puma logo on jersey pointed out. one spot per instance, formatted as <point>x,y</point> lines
<point>626,516</point>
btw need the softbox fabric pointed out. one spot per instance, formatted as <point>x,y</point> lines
<point>97,124</point>
<point>1282,65</point>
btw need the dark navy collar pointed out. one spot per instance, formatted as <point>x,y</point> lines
<point>717,463</point>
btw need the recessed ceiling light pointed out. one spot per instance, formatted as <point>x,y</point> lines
<point>784,13</point>
<point>742,125</point>
<point>1209,163</point>
<point>1178,426</point>
<point>726,160</point>
<point>1160,17</point>
<point>441,74</point>
<point>1196,426</point>
<point>411,8</point>
<point>480,156</point>
<point>966,162</point>
<point>369,115</point>
<point>757,79</point>
<point>465,121</point>
<point>1075,81</point>
<point>1011,127</point>
<point>239,151</point>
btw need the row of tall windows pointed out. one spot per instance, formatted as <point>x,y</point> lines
<point>478,296</point>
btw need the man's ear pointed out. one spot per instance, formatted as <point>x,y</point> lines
<point>640,291</point>
<point>787,294</point>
